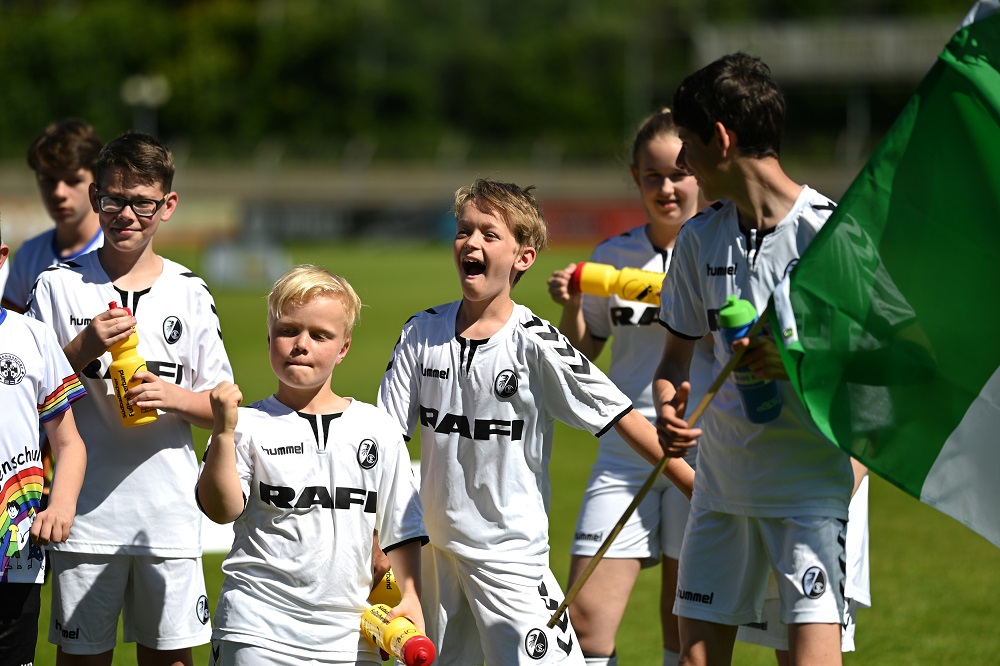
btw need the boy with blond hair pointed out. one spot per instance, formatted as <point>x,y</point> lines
<point>136,544</point>
<point>308,476</point>
<point>485,379</point>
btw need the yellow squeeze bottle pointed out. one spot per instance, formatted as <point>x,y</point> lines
<point>632,284</point>
<point>125,362</point>
<point>386,592</point>
<point>399,637</point>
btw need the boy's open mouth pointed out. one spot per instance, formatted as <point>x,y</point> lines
<point>473,267</point>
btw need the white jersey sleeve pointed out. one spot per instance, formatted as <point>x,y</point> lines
<point>398,391</point>
<point>34,256</point>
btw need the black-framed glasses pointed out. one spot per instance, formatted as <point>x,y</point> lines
<point>141,207</point>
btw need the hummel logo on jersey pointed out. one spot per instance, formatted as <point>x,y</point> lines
<point>172,329</point>
<point>81,321</point>
<point>589,536</point>
<point>283,450</point>
<point>696,597</point>
<point>11,369</point>
<point>284,497</point>
<point>814,582</point>
<point>480,428</point>
<point>714,271</point>
<point>434,372</point>
<point>505,385</point>
<point>367,453</point>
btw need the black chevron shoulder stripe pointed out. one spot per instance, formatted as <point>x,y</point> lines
<point>576,361</point>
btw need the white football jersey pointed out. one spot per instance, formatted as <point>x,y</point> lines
<point>785,467</point>
<point>34,256</point>
<point>637,340</point>
<point>36,384</point>
<point>316,487</point>
<point>137,497</point>
<point>486,410</point>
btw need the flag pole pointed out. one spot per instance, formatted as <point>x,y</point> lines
<point>654,475</point>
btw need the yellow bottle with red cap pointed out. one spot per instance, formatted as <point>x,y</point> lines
<point>632,284</point>
<point>125,362</point>
<point>386,592</point>
<point>399,637</point>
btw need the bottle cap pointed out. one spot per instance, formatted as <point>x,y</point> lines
<point>574,279</point>
<point>418,651</point>
<point>736,313</point>
<point>114,305</point>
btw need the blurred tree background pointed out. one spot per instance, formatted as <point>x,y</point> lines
<point>362,81</point>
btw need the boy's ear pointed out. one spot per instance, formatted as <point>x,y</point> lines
<point>169,206</point>
<point>635,174</point>
<point>3,253</point>
<point>727,139</point>
<point>93,197</point>
<point>525,258</point>
<point>343,351</point>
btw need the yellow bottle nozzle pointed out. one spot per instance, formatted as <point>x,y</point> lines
<point>632,284</point>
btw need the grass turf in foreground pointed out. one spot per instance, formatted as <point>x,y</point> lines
<point>934,582</point>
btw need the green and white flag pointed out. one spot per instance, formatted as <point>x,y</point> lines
<point>889,324</point>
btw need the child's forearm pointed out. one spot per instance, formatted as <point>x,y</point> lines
<point>405,561</point>
<point>70,453</point>
<point>642,437</point>
<point>219,491</point>
<point>194,407</point>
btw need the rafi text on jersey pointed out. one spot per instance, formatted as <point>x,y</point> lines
<point>626,316</point>
<point>284,497</point>
<point>476,429</point>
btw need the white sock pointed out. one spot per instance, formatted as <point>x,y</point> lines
<point>601,661</point>
<point>671,658</point>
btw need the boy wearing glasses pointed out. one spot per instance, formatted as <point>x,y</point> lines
<point>136,541</point>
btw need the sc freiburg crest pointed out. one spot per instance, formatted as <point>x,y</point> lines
<point>172,329</point>
<point>505,385</point>
<point>367,453</point>
<point>536,644</point>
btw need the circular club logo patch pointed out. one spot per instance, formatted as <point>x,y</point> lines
<point>201,609</point>
<point>11,369</point>
<point>367,453</point>
<point>505,385</point>
<point>814,583</point>
<point>536,644</point>
<point>172,329</point>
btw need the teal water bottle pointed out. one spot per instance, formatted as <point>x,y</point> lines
<point>760,397</point>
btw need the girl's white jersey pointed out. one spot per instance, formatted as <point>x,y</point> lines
<point>636,341</point>
<point>36,384</point>
<point>779,469</point>
<point>137,496</point>
<point>34,256</point>
<point>486,411</point>
<point>316,487</point>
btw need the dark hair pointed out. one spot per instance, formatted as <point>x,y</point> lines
<point>658,124</point>
<point>736,90</point>
<point>138,157</point>
<point>66,145</point>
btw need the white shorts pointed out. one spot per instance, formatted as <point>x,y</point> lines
<point>771,632</point>
<point>726,561</point>
<point>475,615</point>
<point>230,653</point>
<point>655,528</point>
<point>162,602</point>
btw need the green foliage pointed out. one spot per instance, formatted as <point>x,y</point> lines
<point>934,582</point>
<point>310,76</point>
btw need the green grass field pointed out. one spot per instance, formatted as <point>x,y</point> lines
<point>934,583</point>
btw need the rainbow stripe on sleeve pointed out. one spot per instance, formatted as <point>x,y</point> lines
<point>59,400</point>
